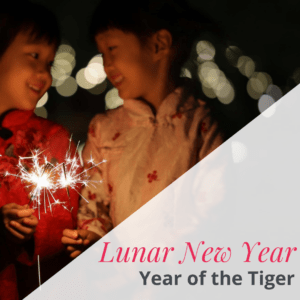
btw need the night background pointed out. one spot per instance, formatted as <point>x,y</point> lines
<point>265,35</point>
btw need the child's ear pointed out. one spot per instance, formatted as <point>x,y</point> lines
<point>162,43</point>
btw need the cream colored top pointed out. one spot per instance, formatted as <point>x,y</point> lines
<point>144,154</point>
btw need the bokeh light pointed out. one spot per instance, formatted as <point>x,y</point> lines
<point>99,88</point>
<point>266,105</point>
<point>274,91</point>
<point>112,99</point>
<point>257,84</point>
<point>41,112</point>
<point>68,88</point>
<point>64,63</point>
<point>43,100</point>
<point>246,66</point>
<point>185,73</point>
<point>205,51</point>
<point>214,83</point>
<point>92,77</point>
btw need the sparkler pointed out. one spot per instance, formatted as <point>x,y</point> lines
<point>45,178</point>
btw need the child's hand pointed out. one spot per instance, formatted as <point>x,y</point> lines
<point>17,222</point>
<point>76,241</point>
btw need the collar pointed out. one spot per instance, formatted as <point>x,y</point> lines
<point>180,100</point>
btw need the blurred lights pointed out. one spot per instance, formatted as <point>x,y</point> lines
<point>92,77</point>
<point>43,100</point>
<point>205,50</point>
<point>68,88</point>
<point>64,63</point>
<point>274,91</point>
<point>112,99</point>
<point>266,105</point>
<point>41,112</point>
<point>214,83</point>
<point>185,73</point>
<point>246,66</point>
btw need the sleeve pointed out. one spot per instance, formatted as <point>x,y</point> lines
<point>93,212</point>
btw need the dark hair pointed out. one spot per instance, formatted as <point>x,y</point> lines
<point>146,17</point>
<point>24,16</point>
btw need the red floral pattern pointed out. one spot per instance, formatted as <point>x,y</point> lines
<point>152,177</point>
<point>92,196</point>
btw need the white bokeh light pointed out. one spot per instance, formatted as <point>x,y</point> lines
<point>205,50</point>
<point>112,99</point>
<point>266,105</point>
<point>43,100</point>
<point>68,88</point>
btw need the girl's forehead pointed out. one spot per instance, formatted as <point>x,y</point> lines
<point>112,33</point>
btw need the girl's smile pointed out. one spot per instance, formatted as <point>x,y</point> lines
<point>25,73</point>
<point>137,70</point>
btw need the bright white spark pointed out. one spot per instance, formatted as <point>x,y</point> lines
<point>45,178</point>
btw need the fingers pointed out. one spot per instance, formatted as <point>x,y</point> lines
<point>22,229</point>
<point>75,253</point>
<point>17,213</point>
<point>31,222</point>
<point>69,241</point>
<point>72,234</point>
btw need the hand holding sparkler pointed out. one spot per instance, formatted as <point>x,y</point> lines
<point>18,222</point>
<point>76,241</point>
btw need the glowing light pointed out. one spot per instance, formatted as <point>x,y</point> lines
<point>64,63</point>
<point>257,84</point>
<point>266,105</point>
<point>99,88</point>
<point>81,80</point>
<point>274,91</point>
<point>44,178</point>
<point>210,93</point>
<point>94,73</point>
<point>41,112</point>
<point>239,152</point>
<point>185,73</point>
<point>226,93</point>
<point>208,73</point>
<point>205,50</point>
<point>246,66</point>
<point>112,99</point>
<point>68,88</point>
<point>43,100</point>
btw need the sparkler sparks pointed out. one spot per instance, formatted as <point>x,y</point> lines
<point>44,178</point>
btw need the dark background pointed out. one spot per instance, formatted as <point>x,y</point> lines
<point>266,31</point>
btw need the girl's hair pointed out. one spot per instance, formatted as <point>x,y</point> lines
<point>146,17</point>
<point>24,16</point>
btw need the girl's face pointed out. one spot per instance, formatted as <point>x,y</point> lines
<point>25,73</point>
<point>128,64</point>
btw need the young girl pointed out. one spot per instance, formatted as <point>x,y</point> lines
<point>29,39</point>
<point>160,132</point>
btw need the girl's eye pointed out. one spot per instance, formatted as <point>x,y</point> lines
<point>111,48</point>
<point>34,55</point>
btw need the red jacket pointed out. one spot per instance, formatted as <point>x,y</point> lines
<point>21,132</point>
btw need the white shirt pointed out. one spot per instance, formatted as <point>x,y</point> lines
<point>144,154</point>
